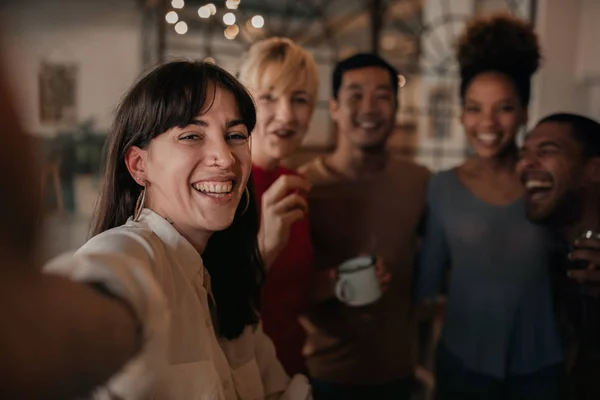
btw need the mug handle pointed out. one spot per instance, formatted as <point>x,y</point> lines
<point>341,290</point>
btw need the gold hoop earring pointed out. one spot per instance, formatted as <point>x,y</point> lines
<point>247,192</point>
<point>139,204</point>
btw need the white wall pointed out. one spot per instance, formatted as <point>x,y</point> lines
<point>557,87</point>
<point>570,76</point>
<point>588,61</point>
<point>102,37</point>
<point>588,57</point>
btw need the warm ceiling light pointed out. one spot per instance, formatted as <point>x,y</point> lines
<point>212,8</point>
<point>231,32</point>
<point>204,12</point>
<point>229,18</point>
<point>258,21</point>
<point>233,29</point>
<point>181,28</point>
<point>232,4</point>
<point>172,17</point>
<point>177,3</point>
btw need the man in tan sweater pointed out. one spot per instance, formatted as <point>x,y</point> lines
<point>360,192</point>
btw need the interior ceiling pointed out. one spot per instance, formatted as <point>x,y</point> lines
<point>306,21</point>
<point>344,26</point>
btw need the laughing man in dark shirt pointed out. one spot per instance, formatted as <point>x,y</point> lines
<point>560,168</point>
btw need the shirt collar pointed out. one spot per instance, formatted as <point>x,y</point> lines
<point>180,248</point>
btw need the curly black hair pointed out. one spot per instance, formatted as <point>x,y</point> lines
<point>499,43</point>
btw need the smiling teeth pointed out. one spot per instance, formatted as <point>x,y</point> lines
<point>487,137</point>
<point>214,187</point>
<point>368,125</point>
<point>536,184</point>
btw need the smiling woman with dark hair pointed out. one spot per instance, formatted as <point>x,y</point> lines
<point>177,219</point>
<point>500,338</point>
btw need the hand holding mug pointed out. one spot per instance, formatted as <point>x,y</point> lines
<point>383,275</point>
<point>361,282</point>
<point>587,255</point>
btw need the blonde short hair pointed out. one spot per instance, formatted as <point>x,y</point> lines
<point>294,62</point>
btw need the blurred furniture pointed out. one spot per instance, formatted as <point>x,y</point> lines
<point>52,191</point>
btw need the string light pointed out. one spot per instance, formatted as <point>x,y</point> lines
<point>181,28</point>
<point>229,18</point>
<point>177,3</point>
<point>172,17</point>
<point>231,32</point>
<point>258,21</point>
<point>232,4</point>
<point>204,12</point>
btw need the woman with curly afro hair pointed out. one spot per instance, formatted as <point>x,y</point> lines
<point>500,338</point>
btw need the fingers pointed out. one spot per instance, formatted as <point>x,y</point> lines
<point>306,323</point>
<point>586,254</point>
<point>291,202</point>
<point>383,275</point>
<point>283,186</point>
<point>380,268</point>
<point>588,243</point>
<point>292,216</point>
<point>587,250</point>
<point>585,275</point>
<point>385,279</point>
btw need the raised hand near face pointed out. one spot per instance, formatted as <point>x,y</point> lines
<point>282,204</point>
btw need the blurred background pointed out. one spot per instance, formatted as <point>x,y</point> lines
<point>70,61</point>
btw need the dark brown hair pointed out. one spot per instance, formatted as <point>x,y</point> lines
<point>169,96</point>
<point>499,43</point>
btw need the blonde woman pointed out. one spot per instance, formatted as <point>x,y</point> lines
<point>283,79</point>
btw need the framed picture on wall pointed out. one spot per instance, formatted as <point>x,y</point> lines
<point>58,93</point>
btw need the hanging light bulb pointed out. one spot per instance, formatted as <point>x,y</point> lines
<point>172,17</point>
<point>204,12</point>
<point>181,28</point>
<point>232,4</point>
<point>229,18</point>
<point>177,3</point>
<point>258,21</point>
<point>212,8</point>
<point>231,32</point>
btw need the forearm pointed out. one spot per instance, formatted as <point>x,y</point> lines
<point>268,255</point>
<point>60,339</point>
<point>268,251</point>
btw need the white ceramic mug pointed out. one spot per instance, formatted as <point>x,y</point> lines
<point>357,283</point>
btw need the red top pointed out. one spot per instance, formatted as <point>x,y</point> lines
<point>285,292</point>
